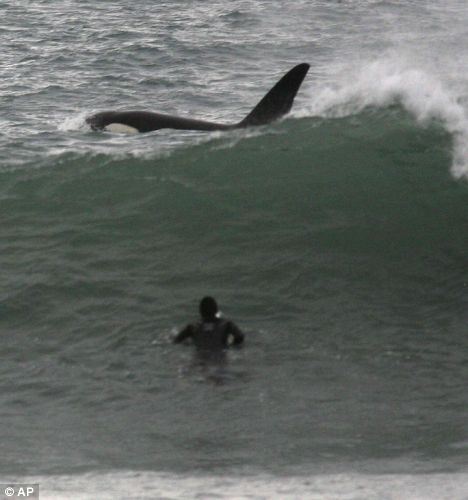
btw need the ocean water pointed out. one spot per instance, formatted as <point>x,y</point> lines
<point>336,238</point>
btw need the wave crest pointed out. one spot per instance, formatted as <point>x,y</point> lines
<point>390,81</point>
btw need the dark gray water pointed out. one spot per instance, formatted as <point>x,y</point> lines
<point>336,239</point>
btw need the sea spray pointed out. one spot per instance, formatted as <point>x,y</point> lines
<point>389,81</point>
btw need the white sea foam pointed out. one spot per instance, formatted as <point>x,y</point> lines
<point>74,122</point>
<point>153,485</point>
<point>390,80</point>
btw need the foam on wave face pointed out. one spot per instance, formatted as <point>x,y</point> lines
<point>388,81</point>
<point>129,484</point>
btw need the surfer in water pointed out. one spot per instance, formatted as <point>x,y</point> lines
<point>213,334</point>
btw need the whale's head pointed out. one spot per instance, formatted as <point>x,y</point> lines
<point>99,121</point>
<point>111,121</point>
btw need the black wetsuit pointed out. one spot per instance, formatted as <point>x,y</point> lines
<point>211,335</point>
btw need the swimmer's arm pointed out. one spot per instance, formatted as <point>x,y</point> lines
<point>184,334</point>
<point>237,335</point>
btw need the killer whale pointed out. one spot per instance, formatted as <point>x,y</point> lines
<point>275,104</point>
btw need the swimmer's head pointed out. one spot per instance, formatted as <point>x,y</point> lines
<point>208,308</point>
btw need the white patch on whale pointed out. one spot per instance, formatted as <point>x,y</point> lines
<point>120,128</point>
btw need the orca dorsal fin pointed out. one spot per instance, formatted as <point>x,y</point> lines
<point>278,101</point>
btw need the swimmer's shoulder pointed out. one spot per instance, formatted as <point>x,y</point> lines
<point>185,333</point>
